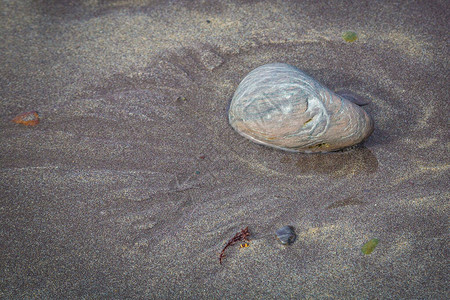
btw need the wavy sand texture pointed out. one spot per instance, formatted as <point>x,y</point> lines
<point>123,191</point>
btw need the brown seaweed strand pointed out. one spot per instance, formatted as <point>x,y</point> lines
<point>240,236</point>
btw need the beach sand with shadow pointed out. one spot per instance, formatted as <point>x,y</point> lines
<point>133,181</point>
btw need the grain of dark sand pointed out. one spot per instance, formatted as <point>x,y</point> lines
<point>123,191</point>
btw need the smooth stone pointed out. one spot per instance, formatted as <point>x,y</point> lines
<point>286,235</point>
<point>278,105</point>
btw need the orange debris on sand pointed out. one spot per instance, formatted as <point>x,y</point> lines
<point>240,236</point>
<point>30,118</point>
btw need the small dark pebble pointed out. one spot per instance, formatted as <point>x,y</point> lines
<point>286,235</point>
<point>208,21</point>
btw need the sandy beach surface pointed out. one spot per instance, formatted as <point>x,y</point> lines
<point>133,181</point>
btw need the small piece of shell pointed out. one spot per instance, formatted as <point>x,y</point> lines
<point>30,118</point>
<point>286,235</point>
<point>369,246</point>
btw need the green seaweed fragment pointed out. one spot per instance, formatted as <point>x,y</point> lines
<point>369,246</point>
<point>350,36</point>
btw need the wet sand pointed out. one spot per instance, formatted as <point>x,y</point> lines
<point>133,181</point>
